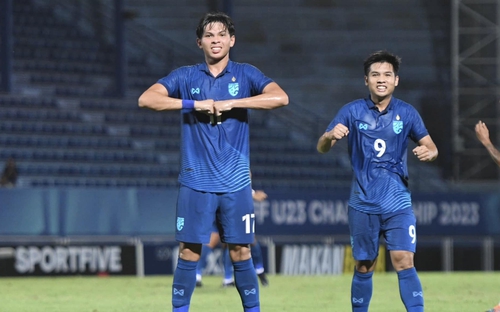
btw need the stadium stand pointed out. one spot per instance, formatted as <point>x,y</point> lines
<point>65,126</point>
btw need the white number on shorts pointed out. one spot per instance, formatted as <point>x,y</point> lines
<point>249,220</point>
<point>379,146</point>
<point>413,233</point>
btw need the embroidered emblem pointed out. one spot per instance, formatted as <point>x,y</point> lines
<point>180,223</point>
<point>233,88</point>
<point>397,126</point>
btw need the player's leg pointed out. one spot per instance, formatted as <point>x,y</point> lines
<point>400,234</point>
<point>206,250</point>
<point>364,231</point>
<point>237,220</point>
<point>195,216</point>
<point>185,276</point>
<point>228,268</point>
<point>258,262</point>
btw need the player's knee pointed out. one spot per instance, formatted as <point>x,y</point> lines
<point>239,252</point>
<point>402,260</point>
<point>190,252</point>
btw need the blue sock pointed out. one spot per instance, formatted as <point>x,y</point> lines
<point>410,290</point>
<point>258,261</point>
<point>183,284</point>
<point>228,265</point>
<point>205,252</point>
<point>361,291</point>
<point>247,285</point>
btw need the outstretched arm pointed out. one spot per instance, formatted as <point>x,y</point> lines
<point>483,135</point>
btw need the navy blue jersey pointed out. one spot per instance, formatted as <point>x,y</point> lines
<point>215,157</point>
<point>377,144</point>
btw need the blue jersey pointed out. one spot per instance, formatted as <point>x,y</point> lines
<point>215,157</point>
<point>377,144</point>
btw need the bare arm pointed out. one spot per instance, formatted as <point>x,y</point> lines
<point>328,139</point>
<point>483,135</point>
<point>272,97</point>
<point>426,149</point>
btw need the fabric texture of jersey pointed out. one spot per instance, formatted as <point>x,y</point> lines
<point>215,157</point>
<point>378,143</point>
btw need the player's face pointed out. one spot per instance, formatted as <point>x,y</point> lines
<point>216,41</point>
<point>381,80</point>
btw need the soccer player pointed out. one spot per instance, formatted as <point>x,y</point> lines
<point>483,135</point>
<point>213,98</point>
<point>377,130</point>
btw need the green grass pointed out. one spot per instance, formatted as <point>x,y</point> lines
<point>443,292</point>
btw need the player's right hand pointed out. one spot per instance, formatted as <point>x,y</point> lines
<point>205,106</point>
<point>338,132</point>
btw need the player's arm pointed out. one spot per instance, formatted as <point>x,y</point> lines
<point>328,139</point>
<point>271,97</point>
<point>426,149</point>
<point>157,98</point>
<point>483,135</point>
<point>259,195</point>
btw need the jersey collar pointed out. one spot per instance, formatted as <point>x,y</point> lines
<point>228,69</point>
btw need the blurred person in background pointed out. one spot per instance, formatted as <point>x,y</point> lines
<point>9,175</point>
<point>377,130</point>
<point>213,98</point>
<point>256,251</point>
<point>483,135</point>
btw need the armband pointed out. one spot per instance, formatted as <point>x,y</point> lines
<point>187,104</point>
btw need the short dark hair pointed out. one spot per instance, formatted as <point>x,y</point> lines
<point>382,56</point>
<point>215,17</point>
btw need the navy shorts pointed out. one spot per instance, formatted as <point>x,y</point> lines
<point>398,229</point>
<point>233,213</point>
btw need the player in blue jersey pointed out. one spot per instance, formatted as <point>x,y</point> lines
<point>377,130</point>
<point>213,98</point>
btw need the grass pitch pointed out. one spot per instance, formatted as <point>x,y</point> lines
<point>459,291</point>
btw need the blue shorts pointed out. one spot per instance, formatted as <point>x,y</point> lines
<point>233,214</point>
<point>398,229</point>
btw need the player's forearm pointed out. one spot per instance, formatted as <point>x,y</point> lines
<point>157,101</point>
<point>325,144</point>
<point>494,153</point>
<point>269,100</point>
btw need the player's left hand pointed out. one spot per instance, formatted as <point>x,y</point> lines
<point>222,106</point>
<point>423,153</point>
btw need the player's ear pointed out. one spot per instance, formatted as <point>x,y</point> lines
<point>233,41</point>
<point>198,42</point>
<point>366,80</point>
<point>396,81</point>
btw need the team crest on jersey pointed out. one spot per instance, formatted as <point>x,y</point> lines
<point>233,88</point>
<point>180,223</point>
<point>397,126</point>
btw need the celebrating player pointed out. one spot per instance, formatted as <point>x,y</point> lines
<point>377,130</point>
<point>214,98</point>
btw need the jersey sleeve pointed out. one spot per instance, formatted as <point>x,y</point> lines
<point>418,129</point>
<point>342,117</point>
<point>258,80</point>
<point>172,82</point>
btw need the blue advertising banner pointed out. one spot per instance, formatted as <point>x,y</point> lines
<point>326,214</point>
<point>136,212</point>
